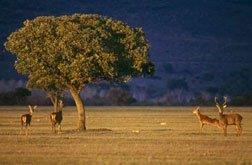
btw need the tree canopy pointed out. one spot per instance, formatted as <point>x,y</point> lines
<point>78,49</point>
<point>67,52</point>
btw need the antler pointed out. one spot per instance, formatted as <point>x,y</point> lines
<point>216,101</point>
<point>218,105</point>
<point>225,100</point>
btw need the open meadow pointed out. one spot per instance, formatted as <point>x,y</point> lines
<point>124,135</point>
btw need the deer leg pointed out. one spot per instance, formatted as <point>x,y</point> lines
<point>26,130</point>
<point>201,127</point>
<point>30,129</point>
<point>56,127</point>
<point>22,129</point>
<point>238,129</point>
<point>52,127</point>
<point>60,127</point>
<point>225,130</point>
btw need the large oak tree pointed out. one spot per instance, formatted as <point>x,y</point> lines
<point>68,52</point>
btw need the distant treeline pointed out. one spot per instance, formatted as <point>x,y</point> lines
<point>106,94</point>
<point>177,91</point>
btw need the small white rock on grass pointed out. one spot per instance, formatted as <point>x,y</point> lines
<point>135,131</point>
<point>163,123</point>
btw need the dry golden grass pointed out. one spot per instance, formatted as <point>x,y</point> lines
<point>124,135</point>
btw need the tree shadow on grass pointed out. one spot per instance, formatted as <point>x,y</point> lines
<point>49,132</point>
<point>200,133</point>
<point>231,134</point>
<point>98,130</point>
<point>160,130</point>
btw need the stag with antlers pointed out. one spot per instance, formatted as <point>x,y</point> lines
<point>56,117</point>
<point>228,119</point>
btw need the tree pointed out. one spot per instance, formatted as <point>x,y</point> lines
<point>53,88</point>
<point>72,51</point>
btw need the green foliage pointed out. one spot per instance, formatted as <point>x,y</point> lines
<point>70,51</point>
<point>180,83</point>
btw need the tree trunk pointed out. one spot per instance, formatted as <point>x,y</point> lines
<point>55,104</point>
<point>80,109</point>
<point>54,101</point>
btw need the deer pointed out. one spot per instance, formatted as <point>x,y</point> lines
<point>56,117</point>
<point>27,118</point>
<point>228,119</point>
<point>205,120</point>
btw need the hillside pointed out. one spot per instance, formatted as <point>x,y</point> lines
<point>196,38</point>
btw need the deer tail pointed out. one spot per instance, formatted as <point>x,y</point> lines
<point>21,120</point>
<point>50,116</point>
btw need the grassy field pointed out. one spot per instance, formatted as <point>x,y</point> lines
<point>124,135</point>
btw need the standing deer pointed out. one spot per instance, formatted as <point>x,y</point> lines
<point>228,119</point>
<point>56,117</point>
<point>203,119</point>
<point>26,119</point>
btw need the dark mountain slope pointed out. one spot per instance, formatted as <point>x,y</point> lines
<point>196,37</point>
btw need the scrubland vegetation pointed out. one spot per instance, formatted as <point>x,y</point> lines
<point>124,135</point>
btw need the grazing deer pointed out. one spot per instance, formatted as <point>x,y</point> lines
<point>228,119</point>
<point>26,119</point>
<point>203,119</point>
<point>56,117</point>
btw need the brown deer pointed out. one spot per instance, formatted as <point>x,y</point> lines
<point>228,119</point>
<point>205,120</point>
<point>26,119</point>
<point>56,117</point>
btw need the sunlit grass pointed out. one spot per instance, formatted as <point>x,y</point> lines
<point>124,135</point>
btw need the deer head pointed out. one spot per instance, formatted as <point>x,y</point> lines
<point>221,107</point>
<point>61,105</point>
<point>195,111</point>
<point>32,108</point>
